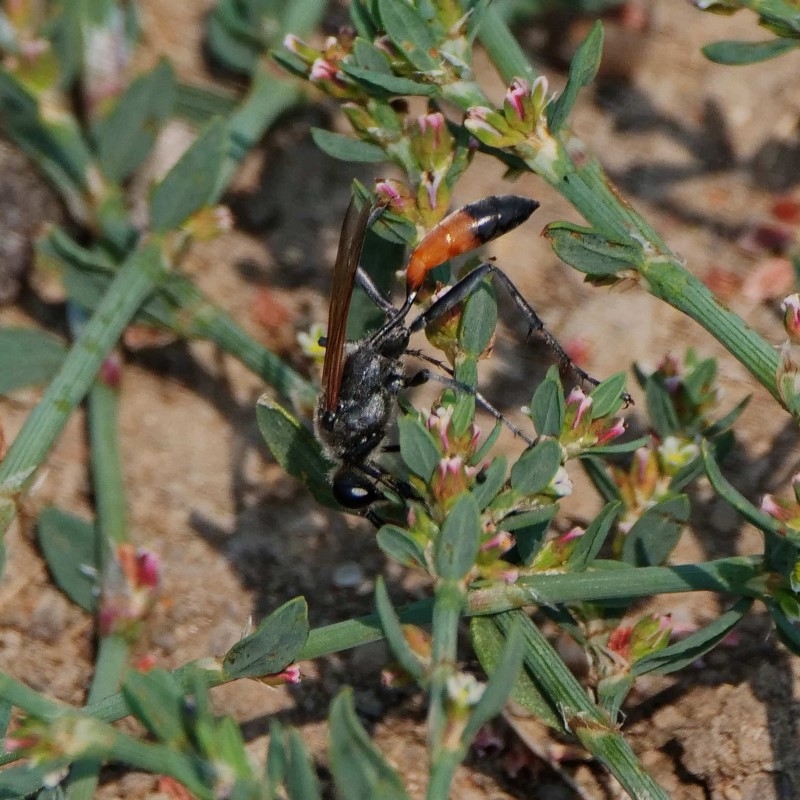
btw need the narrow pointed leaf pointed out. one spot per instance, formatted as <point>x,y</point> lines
<point>588,546</point>
<point>501,681</point>
<point>548,407</point>
<point>491,482</point>
<point>388,85</point>
<point>301,777</point>
<point>359,769</point>
<point>347,148</point>
<point>607,397</point>
<point>536,467</point>
<point>582,70</point>
<point>393,632</point>
<point>156,700</point>
<point>401,546</point>
<point>410,32</point>
<point>655,534</point>
<point>70,547</point>
<point>488,641</point>
<point>687,651</point>
<point>191,184</point>
<point>295,449</point>
<point>735,53</point>
<point>456,547</point>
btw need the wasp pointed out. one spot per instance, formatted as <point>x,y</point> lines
<point>361,379</point>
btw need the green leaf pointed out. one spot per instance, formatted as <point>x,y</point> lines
<point>369,57</point>
<point>301,777</point>
<point>492,479</point>
<point>381,84</point>
<point>127,135</point>
<point>192,183</point>
<point>591,252</point>
<point>660,407</point>
<point>418,447</point>
<point>410,32</point>
<point>393,632</point>
<point>548,407</point>
<point>736,53</point>
<point>530,529</point>
<point>687,651</point>
<point>763,521</point>
<point>612,691</point>
<point>236,53</point>
<point>501,681</point>
<point>295,449</point>
<point>478,321</point>
<point>619,447</point>
<point>70,547</point>
<point>488,443</point>
<point>155,698</point>
<point>488,642</point>
<point>655,534</point>
<point>401,546</point>
<point>301,16</point>
<point>275,767</point>
<point>359,769</point>
<point>274,645</point>
<point>582,70</point>
<point>363,17</point>
<point>536,467</point>
<point>607,397</point>
<point>599,476</point>
<point>588,545</point>
<point>28,357</point>
<point>456,546</point>
<point>346,148</point>
<point>700,379</point>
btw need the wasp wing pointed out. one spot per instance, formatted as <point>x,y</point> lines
<point>351,243</point>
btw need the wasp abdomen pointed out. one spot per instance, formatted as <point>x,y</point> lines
<point>464,230</point>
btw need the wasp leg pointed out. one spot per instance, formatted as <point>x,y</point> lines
<point>425,375</point>
<point>374,293</point>
<point>461,290</point>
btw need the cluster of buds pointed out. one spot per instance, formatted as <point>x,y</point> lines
<point>433,148</point>
<point>786,512</point>
<point>692,390</point>
<point>650,634</point>
<point>788,373</point>
<point>323,65</point>
<point>581,431</point>
<point>289,675</point>
<point>128,590</point>
<point>453,475</point>
<point>521,122</point>
<point>67,737</point>
<point>641,486</point>
<point>555,553</point>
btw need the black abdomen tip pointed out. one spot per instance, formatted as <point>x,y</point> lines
<point>494,216</point>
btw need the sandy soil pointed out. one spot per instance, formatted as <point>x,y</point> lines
<point>703,151</point>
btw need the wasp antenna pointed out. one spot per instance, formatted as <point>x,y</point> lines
<point>464,230</point>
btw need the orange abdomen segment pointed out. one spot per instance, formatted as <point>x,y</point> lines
<point>464,230</point>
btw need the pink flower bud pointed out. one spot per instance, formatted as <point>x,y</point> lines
<point>791,316</point>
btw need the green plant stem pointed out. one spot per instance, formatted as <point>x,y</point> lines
<point>137,277</point>
<point>585,719</point>
<point>109,490</point>
<point>448,606</point>
<point>106,464</point>
<point>736,576</point>
<point>590,191</point>
<point>200,317</point>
